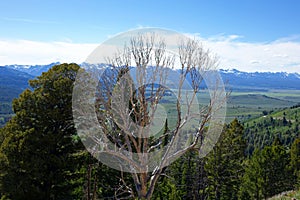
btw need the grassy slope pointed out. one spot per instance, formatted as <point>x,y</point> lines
<point>289,113</point>
<point>245,106</point>
<point>263,130</point>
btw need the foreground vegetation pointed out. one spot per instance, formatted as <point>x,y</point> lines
<point>287,195</point>
<point>41,157</point>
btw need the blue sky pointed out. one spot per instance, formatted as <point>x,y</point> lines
<point>26,25</point>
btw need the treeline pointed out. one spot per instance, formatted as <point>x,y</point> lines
<point>41,157</point>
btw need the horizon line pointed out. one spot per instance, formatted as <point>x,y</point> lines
<point>219,69</point>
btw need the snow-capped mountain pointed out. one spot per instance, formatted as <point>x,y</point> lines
<point>34,70</point>
<point>233,78</point>
<point>261,80</point>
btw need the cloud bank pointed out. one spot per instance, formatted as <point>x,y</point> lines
<point>276,56</point>
<point>33,52</point>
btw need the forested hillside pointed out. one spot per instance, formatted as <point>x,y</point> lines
<point>283,124</point>
<point>12,83</point>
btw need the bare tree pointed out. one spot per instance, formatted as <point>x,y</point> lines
<point>128,107</point>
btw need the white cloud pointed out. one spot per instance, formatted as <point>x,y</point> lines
<point>33,52</point>
<point>280,55</point>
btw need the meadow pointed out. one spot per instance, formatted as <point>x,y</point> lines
<point>243,105</point>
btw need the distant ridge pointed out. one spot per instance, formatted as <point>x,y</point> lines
<point>234,79</point>
<point>12,83</point>
<point>239,80</point>
<point>34,70</point>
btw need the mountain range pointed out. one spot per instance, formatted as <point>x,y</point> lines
<point>261,80</point>
<point>14,78</point>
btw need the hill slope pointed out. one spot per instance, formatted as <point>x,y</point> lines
<point>282,124</point>
<point>12,83</point>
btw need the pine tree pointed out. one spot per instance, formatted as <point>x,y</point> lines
<point>252,181</point>
<point>38,140</point>
<point>267,173</point>
<point>295,161</point>
<point>224,164</point>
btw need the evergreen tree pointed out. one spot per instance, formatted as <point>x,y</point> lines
<point>189,176</point>
<point>41,157</point>
<point>224,164</point>
<point>252,181</point>
<point>295,161</point>
<point>38,144</point>
<point>39,138</point>
<point>267,173</point>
